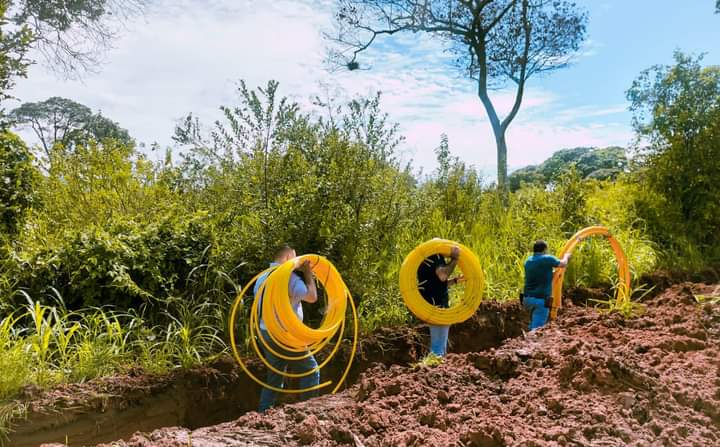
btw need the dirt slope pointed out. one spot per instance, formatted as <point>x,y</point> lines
<point>589,379</point>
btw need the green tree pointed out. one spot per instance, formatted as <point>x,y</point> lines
<point>497,42</point>
<point>98,184</point>
<point>572,192</point>
<point>109,232</point>
<point>67,123</point>
<point>17,181</point>
<point>458,188</point>
<point>269,173</point>
<point>677,119</point>
<point>101,128</point>
<point>250,142</point>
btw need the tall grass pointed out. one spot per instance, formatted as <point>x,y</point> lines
<point>502,239</point>
<point>44,345</point>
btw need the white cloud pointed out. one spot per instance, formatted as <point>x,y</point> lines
<point>187,56</point>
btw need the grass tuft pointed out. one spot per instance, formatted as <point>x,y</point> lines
<point>431,360</point>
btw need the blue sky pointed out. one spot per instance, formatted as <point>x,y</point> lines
<point>187,56</point>
<point>626,37</point>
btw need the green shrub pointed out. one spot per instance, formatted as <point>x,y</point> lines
<point>18,179</point>
<point>124,265</point>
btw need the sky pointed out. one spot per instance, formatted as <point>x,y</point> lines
<point>187,56</point>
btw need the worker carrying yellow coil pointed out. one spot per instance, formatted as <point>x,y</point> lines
<point>537,292</point>
<point>424,279</point>
<point>277,333</point>
<point>544,274</point>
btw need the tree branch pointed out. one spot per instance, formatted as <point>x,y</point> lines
<point>523,68</point>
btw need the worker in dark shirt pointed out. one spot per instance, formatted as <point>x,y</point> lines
<point>537,293</point>
<point>433,281</point>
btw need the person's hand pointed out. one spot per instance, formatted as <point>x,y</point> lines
<point>455,252</point>
<point>306,267</point>
<point>458,279</point>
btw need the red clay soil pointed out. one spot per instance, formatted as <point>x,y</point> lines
<point>588,379</point>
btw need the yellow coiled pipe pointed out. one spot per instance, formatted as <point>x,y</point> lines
<point>623,289</point>
<point>474,283</point>
<point>286,330</point>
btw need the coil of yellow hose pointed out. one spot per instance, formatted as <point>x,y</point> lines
<point>286,330</point>
<point>623,289</point>
<point>474,283</point>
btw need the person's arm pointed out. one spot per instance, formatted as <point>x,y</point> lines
<point>311,295</point>
<point>444,272</point>
<point>564,261</point>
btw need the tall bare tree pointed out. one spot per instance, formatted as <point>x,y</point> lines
<point>498,42</point>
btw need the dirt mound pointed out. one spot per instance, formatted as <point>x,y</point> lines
<point>589,379</point>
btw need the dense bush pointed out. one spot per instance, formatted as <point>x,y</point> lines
<point>128,265</point>
<point>17,181</point>
<point>116,229</point>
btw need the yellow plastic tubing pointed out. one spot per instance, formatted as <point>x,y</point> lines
<point>623,290</point>
<point>286,330</point>
<point>474,285</point>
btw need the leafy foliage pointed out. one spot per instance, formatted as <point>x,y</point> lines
<point>14,45</point>
<point>590,162</point>
<point>65,123</point>
<point>17,182</point>
<point>44,345</point>
<point>125,261</point>
<point>677,112</point>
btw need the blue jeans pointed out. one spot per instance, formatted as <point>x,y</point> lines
<point>538,312</point>
<point>267,397</point>
<point>439,339</point>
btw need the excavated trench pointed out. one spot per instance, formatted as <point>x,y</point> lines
<point>591,378</point>
<point>113,408</point>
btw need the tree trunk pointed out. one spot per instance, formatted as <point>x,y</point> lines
<point>502,168</point>
<point>500,144</point>
<point>498,127</point>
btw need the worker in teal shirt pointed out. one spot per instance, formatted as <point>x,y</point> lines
<point>537,294</point>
